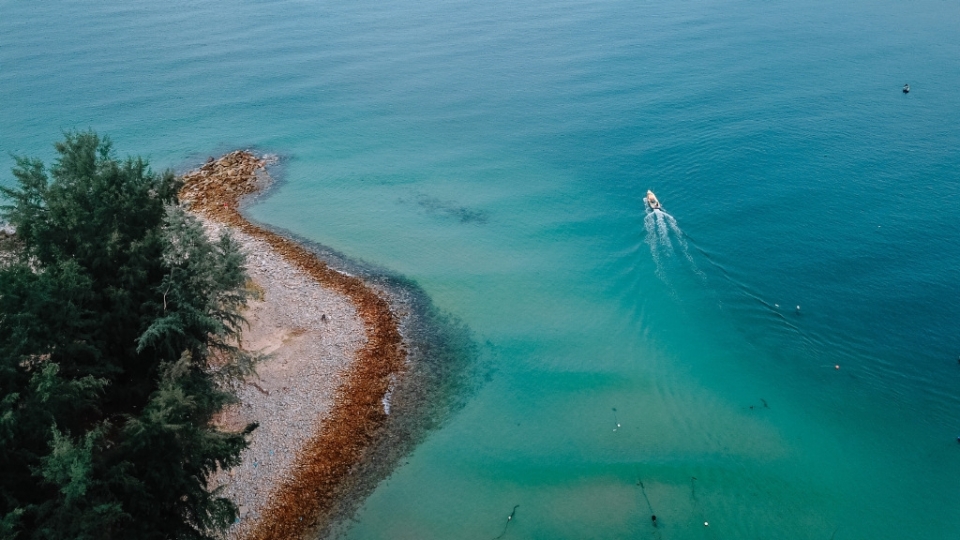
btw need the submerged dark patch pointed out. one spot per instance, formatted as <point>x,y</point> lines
<point>450,209</point>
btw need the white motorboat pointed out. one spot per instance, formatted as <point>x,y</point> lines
<point>652,201</point>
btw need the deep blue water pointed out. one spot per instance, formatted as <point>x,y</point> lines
<point>498,154</point>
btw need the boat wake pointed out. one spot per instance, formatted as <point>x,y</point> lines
<point>666,239</point>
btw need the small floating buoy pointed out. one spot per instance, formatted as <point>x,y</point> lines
<point>706,524</point>
<point>836,366</point>
<point>906,88</point>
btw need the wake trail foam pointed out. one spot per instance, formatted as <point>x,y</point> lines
<point>662,230</point>
<point>681,239</point>
<point>650,224</point>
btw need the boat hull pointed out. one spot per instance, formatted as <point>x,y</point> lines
<point>652,201</point>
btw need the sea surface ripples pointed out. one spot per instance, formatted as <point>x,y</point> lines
<point>497,155</point>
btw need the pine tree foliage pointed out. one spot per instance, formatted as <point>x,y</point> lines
<point>118,318</point>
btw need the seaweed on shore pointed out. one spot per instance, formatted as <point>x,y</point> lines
<point>443,369</point>
<point>419,357</point>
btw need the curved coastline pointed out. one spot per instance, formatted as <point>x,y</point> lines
<point>307,497</point>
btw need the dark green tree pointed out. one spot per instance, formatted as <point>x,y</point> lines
<point>118,324</point>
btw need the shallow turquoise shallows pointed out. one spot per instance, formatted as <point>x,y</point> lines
<point>498,152</point>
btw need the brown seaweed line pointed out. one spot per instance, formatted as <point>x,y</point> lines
<point>307,495</point>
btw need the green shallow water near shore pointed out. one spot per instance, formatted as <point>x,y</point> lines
<point>497,154</point>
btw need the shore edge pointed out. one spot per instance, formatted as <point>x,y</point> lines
<point>302,502</point>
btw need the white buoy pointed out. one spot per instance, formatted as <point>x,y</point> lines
<point>706,524</point>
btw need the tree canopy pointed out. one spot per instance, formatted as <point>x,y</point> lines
<point>118,322</point>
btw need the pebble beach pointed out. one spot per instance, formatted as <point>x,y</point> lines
<point>331,350</point>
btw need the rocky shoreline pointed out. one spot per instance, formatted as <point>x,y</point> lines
<point>335,351</point>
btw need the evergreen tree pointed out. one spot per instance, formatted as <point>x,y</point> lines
<point>118,319</point>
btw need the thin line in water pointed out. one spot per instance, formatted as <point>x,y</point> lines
<point>509,521</point>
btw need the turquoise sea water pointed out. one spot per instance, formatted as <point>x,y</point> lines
<point>498,153</point>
